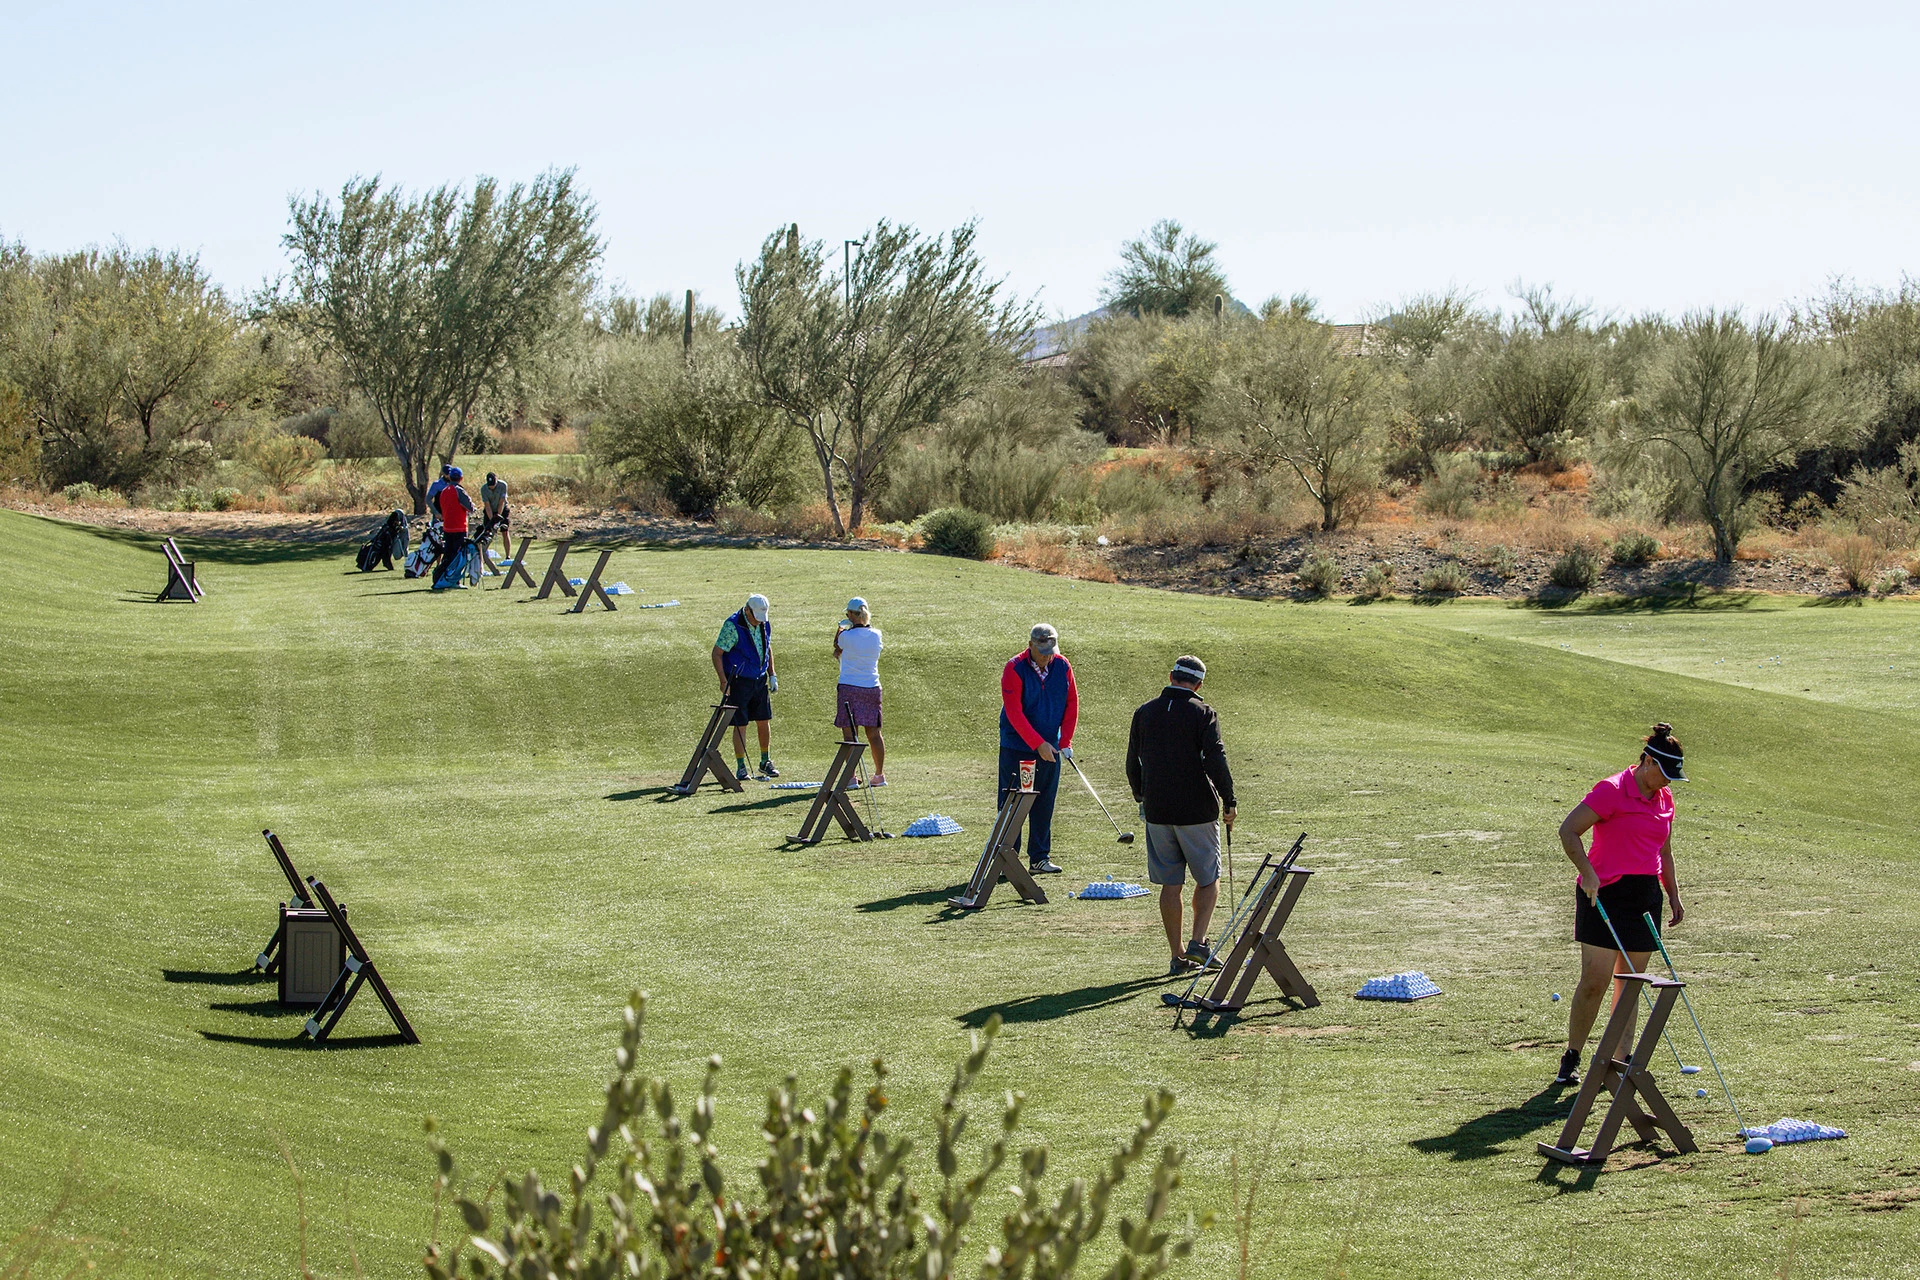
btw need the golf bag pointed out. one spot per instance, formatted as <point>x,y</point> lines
<point>457,571</point>
<point>388,543</point>
<point>420,562</point>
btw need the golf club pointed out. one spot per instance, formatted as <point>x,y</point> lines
<point>1648,998</point>
<point>1126,837</point>
<point>1185,999</point>
<point>1675,974</point>
<point>866,786</point>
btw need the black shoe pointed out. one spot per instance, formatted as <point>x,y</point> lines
<point>766,768</point>
<point>1180,967</point>
<point>1569,1068</point>
<point>1044,867</point>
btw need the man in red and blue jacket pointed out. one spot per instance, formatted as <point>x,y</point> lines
<point>1039,706</point>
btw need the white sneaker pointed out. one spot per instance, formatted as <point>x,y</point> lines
<point>879,780</point>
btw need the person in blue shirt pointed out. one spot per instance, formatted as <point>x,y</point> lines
<point>743,659</point>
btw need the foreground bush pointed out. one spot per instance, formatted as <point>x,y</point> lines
<point>956,531</point>
<point>1447,579</point>
<point>835,1197</point>
<point>1634,549</point>
<point>1318,574</point>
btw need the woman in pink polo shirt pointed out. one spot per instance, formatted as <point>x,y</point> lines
<point>1631,817</point>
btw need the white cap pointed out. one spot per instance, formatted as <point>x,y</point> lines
<point>857,605</point>
<point>758,603</point>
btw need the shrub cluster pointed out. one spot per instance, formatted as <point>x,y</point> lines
<point>956,531</point>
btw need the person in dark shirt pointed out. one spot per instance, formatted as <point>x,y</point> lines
<point>1177,769</point>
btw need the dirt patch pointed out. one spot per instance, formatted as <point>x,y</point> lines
<point>1530,1044</point>
<point>1892,1199</point>
<point>1298,1033</point>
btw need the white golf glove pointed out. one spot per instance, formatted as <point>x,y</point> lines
<point>773,682</point>
<point>1066,753</point>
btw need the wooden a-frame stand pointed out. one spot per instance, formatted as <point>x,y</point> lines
<point>1001,858</point>
<point>1258,949</point>
<point>358,969</point>
<point>556,573</point>
<point>707,757</point>
<point>832,800</point>
<point>1625,1077</point>
<point>180,580</point>
<point>518,567</point>
<point>270,955</point>
<point>593,587</point>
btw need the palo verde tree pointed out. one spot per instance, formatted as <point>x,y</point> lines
<point>1167,272</point>
<point>860,361</point>
<point>429,303</point>
<point>1729,402</point>
<point>121,360</point>
<point>1293,393</point>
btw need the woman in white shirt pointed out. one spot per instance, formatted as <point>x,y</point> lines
<point>857,643</point>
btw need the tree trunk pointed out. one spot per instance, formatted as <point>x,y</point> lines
<point>825,457</point>
<point>856,505</point>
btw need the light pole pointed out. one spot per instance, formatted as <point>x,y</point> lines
<point>846,267</point>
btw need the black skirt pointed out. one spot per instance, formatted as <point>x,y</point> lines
<point>1625,900</point>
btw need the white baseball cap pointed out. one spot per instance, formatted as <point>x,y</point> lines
<point>857,605</point>
<point>758,603</point>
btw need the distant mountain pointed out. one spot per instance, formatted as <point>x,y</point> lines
<point>1051,340</point>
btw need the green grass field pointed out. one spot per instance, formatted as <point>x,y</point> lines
<point>479,776</point>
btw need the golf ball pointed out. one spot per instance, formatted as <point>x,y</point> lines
<point>1699,1093</point>
<point>1759,1146</point>
<point>1556,995</point>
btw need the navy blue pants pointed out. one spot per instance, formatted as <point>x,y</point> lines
<point>1046,782</point>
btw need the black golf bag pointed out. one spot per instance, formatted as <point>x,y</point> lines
<point>388,543</point>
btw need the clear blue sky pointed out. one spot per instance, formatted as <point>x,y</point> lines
<point>1644,156</point>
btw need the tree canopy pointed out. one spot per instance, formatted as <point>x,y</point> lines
<point>1167,272</point>
<point>430,302</point>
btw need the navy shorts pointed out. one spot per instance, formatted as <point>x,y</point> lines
<point>750,698</point>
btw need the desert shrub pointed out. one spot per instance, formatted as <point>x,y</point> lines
<point>809,522</point>
<point>695,428</point>
<point>1890,582</point>
<point>1577,569</point>
<point>1635,549</point>
<point>834,1193</point>
<point>1856,558</point>
<point>19,443</point>
<point>1445,579</point>
<point>1885,503</point>
<point>1067,558</point>
<point>83,494</point>
<point>1006,452</point>
<point>956,531</point>
<point>1143,490</point>
<point>1501,561</point>
<point>1318,574</point>
<point>353,485</point>
<point>281,460</point>
<point>1377,582</point>
<point>1451,490</point>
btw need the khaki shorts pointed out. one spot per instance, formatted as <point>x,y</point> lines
<point>1172,851</point>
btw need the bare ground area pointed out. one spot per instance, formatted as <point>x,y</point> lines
<point>1260,568</point>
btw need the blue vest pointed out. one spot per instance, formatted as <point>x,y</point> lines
<point>1043,702</point>
<point>744,659</point>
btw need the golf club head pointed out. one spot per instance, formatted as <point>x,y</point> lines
<point>1169,999</point>
<point>1126,837</point>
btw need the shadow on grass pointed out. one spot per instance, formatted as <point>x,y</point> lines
<point>661,794</point>
<point>923,898</point>
<point>1483,1136</point>
<point>771,802</point>
<point>1660,599</point>
<point>246,551</point>
<point>1851,601</point>
<point>299,1040</point>
<point>1058,1004</point>
<point>206,977</point>
<point>1211,1024</point>
<point>269,1008</point>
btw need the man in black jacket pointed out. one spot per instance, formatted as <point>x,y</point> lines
<point>1177,767</point>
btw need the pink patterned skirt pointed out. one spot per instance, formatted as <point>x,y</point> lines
<point>865,704</point>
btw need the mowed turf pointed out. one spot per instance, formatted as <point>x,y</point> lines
<point>480,778</point>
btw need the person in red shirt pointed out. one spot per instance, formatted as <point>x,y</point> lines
<point>455,506</point>
<point>1631,817</point>
<point>1039,708</point>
